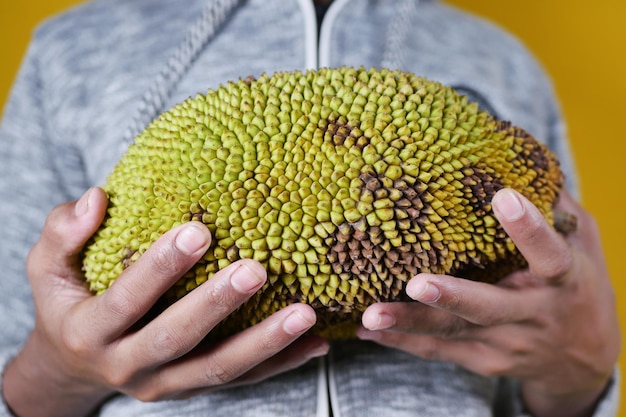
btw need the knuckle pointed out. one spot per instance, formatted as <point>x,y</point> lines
<point>556,268</point>
<point>268,342</point>
<point>34,266</point>
<point>494,368</point>
<point>219,372</point>
<point>219,295</point>
<point>169,343</point>
<point>453,329</point>
<point>54,233</point>
<point>505,361</point>
<point>55,219</point>
<point>489,318</point>
<point>429,350</point>
<point>75,342</point>
<point>126,378</point>
<point>218,375</point>
<point>118,377</point>
<point>452,299</point>
<point>430,354</point>
<point>520,347</point>
<point>530,230</point>
<point>145,396</point>
<point>149,394</point>
<point>120,302</point>
<point>164,260</point>
<point>544,319</point>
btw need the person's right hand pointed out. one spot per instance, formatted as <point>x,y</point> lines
<point>85,348</point>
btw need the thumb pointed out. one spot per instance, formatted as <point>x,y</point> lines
<point>67,229</point>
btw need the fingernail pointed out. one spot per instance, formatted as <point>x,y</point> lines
<point>377,319</point>
<point>509,205</point>
<point>82,205</point>
<point>423,291</point>
<point>383,321</point>
<point>192,238</point>
<point>296,323</point>
<point>249,276</point>
<point>317,351</point>
<point>365,334</point>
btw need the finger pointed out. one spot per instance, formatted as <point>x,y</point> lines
<point>66,230</point>
<point>293,356</point>
<point>473,355</point>
<point>548,255</point>
<point>414,318</point>
<point>224,363</point>
<point>139,287</point>
<point>186,323</point>
<point>476,303</point>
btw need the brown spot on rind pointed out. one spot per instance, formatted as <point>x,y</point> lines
<point>338,130</point>
<point>362,250</point>
<point>249,79</point>
<point>127,260</point>
<point>565,222</point>
<point>480,187</point>
<point>534,155</point>
<point>491,271</point>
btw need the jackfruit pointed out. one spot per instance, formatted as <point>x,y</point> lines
<point>344,183</point>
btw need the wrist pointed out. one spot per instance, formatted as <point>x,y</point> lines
<point>540,402</point>
<point>33,386</point>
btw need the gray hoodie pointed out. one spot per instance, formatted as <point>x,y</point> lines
<point>94,76</point>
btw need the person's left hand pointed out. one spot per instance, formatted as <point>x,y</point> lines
<point>553,326</point>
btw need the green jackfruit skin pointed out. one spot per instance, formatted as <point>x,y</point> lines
<point>344,183</point>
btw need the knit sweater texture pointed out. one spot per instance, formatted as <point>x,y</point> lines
<point>95,75</point>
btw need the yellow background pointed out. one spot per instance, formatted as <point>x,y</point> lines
<point>581,44</point>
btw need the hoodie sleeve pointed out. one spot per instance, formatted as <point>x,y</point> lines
<point>509,402</point>
<point>30,185</point>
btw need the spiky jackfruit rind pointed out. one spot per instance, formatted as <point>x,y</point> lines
<point>344,183</point>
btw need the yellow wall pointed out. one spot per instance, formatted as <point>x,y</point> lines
<point>584,49</point>
<point>582,45</point>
